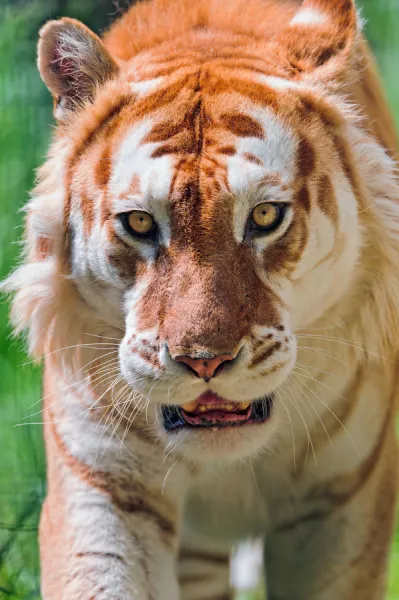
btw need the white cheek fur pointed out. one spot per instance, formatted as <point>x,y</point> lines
<point>327,266</point>
<point>276,155</point>
<point>134,159</point>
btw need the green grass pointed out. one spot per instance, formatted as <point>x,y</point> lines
<point>256,595</point>
<point>25,127</point>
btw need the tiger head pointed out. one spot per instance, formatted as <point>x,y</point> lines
<point>203,198</point>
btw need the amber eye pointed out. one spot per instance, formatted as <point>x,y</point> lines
<point>139,222</point>
<point>266,216</point>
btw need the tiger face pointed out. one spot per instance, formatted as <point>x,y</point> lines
<point>209,213</point>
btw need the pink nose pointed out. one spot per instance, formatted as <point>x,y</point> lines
<point>206,368</point>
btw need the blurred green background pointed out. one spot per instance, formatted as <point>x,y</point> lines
<point>25,129</point>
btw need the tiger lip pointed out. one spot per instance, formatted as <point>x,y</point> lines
<point>212,411</point>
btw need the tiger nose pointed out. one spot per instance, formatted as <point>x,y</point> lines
<point>205,368</point>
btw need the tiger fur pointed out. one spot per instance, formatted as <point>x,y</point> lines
<point>196,112</point>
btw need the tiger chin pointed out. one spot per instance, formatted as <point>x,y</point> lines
<point>210,274</point>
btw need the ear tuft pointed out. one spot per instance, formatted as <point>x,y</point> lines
<point>73,62</point>
<point>321,35</point>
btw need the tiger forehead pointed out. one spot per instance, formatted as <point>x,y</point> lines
<point>225,138</point>
<point>206,134</point>
<point>205,105</point>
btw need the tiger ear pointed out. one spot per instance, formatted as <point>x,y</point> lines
<point>319,42</point>
<point>73,62</point>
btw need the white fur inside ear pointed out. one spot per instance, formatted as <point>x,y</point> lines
<point>73,63</point>
<point>309,16</point>
<point>74,52</point>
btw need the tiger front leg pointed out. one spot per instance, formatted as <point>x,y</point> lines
<point>204,573</point>
<point>110,523</point>
<point>338,549</point>
<point>93,548</point>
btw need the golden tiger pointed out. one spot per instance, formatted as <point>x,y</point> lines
<point>211,273</point>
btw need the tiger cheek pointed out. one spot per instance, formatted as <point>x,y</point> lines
<point>282,258</point>
<point>153,285</point>
<point>125,261</point>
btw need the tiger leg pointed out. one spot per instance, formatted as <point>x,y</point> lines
<point>204,574</point>
<point>107,535</point>
<point>339,549</point>
<point>92,549</point>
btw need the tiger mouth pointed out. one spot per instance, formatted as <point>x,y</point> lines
<point>213,412</point>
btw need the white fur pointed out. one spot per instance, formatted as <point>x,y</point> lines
<point>247,566</point>
<point>309,17</point>
<point>351,301</point>
<point>142,88</point>
<point>133,159</point>
<point>277,152</point>
<point>318,277</point>
<point>279,83</point>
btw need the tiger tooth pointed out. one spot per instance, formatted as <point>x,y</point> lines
<point>193,406</point>
<point>245,405</point>
<point>190,406</point>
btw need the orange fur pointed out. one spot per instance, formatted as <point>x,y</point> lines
<point>198,113</point>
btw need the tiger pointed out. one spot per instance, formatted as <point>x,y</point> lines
<point>210,275</point>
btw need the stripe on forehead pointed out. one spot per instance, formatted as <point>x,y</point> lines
<point>135,170</point>
<point>211,109</point>
<point>274,154</point>
<point>214,95</point>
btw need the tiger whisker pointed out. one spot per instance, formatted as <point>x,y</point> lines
<point>55,403</point>
<point>309,439</point>
<point>93,346</point>
<point>131,418</point>
<point>104,337</point>
<point>323,352</point>
<point>117,379</point>
<point>318,416</point>
<point>112,372</point>
<point>166,476</point>
<point>334,415</point>
<point>74,383</point>
<point>315,368</point>
<point>292,432</point>
<point>345,342</point>
<point>118,418</point>
<point>327,328</point>
<point>105,427</point>
<point>310,376</point>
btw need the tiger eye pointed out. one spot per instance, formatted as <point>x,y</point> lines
<point>265,215</point>
<point>140,222</point>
